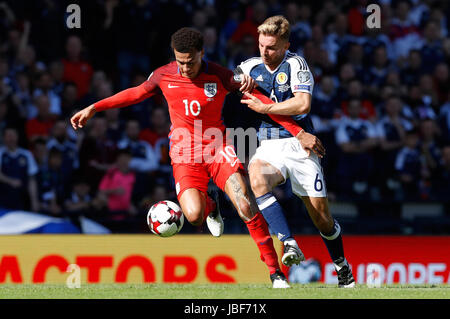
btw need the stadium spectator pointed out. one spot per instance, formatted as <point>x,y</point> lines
<point>52,183</point>
<point>430,153</point>
<point>144,158</point>
<point>80,203</point>
<point>60,140</point>
<point>441,82</point>
<point>355,57</point>
<point>391,131</point>
<point>24,96</point>
<point>441,186</point>
<point>42,123</point>
<point>18,169</point>
<point>337,41</point>
<point>379,70</point>
<point>245,51</point>
<point>40,152</point>
<point>355,91</point>
<point>324,104</point>
<point>199,20</point>
<point>431,50</point>
<point>156,135</point>
<point>69,99</point>
<point>377,37</point>
<point>76,69</point>
<point>3,118</point>
<point>116,125</point>
<point>419,105</point>
<point>444,120</point>
<point>44,85</point>
<point>144,161</point>
<point>413,69</point>
<point>254,17</point>
<point>344,77</point>
<point>97,152</point>
<point>408,167</point>
<point>403,33</point>
<point>116,188</point>
<point>356,138</point>
<point>56,70</point>
<point>213,52</point>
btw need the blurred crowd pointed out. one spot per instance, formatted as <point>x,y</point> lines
<point>381,102</point>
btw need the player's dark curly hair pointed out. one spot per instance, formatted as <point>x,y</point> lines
<point>187,40</point>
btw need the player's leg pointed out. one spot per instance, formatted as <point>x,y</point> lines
<point>263,178</point>
<point>308,183</point>
<point>330,232</point>
<point>238,190</point>
<point>193,204</point>
<point>227,173</point>
<point>191,183</point>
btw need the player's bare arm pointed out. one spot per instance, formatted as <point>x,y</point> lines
<point>300,103</point>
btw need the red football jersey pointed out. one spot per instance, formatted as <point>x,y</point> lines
<point>198,99</point>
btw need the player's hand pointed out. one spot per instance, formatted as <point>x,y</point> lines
<point>80,118</point>
<point>255,104</point>
<point>310,143</point>
<point>247,83</point>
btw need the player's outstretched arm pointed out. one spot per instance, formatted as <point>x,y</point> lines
<point>300,103</point>
<point>308,141</point>
<point>124,98</point>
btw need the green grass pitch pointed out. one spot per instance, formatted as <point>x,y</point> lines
<point>212,291</point>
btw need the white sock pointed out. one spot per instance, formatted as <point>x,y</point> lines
<point>290,241</point>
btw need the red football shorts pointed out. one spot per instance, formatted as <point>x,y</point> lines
<point>197,175</point>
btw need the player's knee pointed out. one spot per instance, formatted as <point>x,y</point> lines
<point>194,216</point>
<point>259,184</point>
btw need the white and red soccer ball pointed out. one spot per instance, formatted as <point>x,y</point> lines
<point>165,218</point>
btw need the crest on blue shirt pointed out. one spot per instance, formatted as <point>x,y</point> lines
<point>281,78</point>
<point>210,89</point>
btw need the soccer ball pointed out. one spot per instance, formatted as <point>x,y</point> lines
<point>165,218</point>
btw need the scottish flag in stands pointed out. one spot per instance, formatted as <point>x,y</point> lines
<point>22,222</point>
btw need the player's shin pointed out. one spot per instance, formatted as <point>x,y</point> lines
<point>333,241</point>
<point>259,231</point>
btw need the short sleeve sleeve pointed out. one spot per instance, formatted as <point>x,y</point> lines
<point>302,79</point>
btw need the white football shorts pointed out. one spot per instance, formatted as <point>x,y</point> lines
<point>288,156</point>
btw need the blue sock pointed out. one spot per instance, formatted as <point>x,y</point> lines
<point>274,215</point>
<point>333,241</point>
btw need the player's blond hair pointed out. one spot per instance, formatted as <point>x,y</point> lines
<point>276,26</point>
